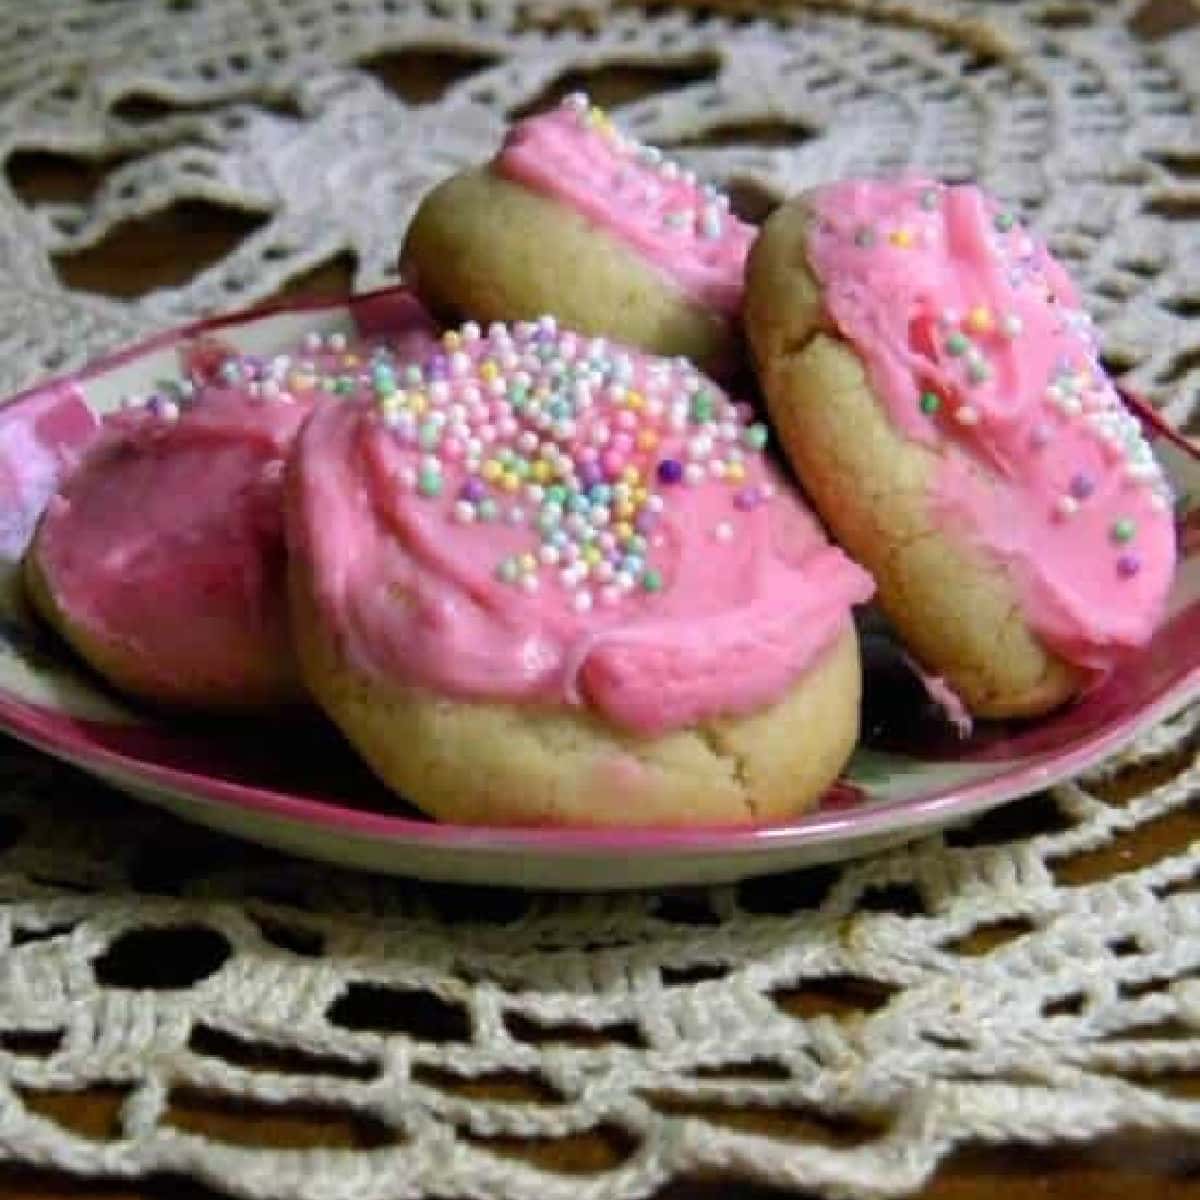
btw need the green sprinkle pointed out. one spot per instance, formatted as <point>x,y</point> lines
<point>413,374</point>
<point>929,199</point>
<point>702,408</point>
<point>930,403</point>
<point>978,371</point>
<point>429,435</point>
<point>430,483</point>
<point>508,570</point>
<point>488,509</point>
<point>1005,221</point>
<point>652,581</point>
<point>957,344</point>
<point>755,436</point>
<point>1123,530</point>
<point>864,237</point>
<point>556,494</point>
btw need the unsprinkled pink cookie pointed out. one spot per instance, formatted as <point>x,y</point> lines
<point>575,218</point>
<point>161,558</point>
<point>938,388</point>
<point>555,581</point>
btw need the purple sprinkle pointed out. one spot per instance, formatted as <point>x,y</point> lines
<point>1082,485</point>
<point>1039,437</point>
<point>155,404</point>
<point>590,475</point>
<point>1128,565</point>
<point>670,470</point>
<point>474,490</point>
<point>255,366</point>
<point>439,367</point>
<point>645,521</point>
<point>747,499</point>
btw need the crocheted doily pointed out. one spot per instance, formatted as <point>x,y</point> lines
<point>1012,981</point>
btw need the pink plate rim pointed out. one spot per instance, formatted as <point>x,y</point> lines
<point>46,730</point>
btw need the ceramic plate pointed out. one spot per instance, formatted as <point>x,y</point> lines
<point>305,792</point>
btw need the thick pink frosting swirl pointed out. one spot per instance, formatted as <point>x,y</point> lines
<point>672,577</point>
<point>574,154</point>
<point>973,338</point>
<point>166,543</point>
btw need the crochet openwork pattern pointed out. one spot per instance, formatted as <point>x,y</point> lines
<point>1008,981</point>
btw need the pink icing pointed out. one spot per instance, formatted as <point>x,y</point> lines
<point>418,560</point>
<point>973,338</point>
<point>166,544</point>
<point>575,154</point>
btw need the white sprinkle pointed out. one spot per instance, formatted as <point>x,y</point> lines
<point>470,332</point>
<point>700,446</point>
<point>312,341</point>
<point>655,503</point>
<point>439,390</point>
<point>1066,506</point>
<point>966,415</point>
<point>604,572</point>
<point>693,473</point>
<point>460,364</point>
<point>498,386</point>
<point>583,601</point>
<point>516,516</point>
<point>337,342</point>
<point>464,512</point>
<point>407,478</point>
<point>1159,502</point>
<point>547,324</point>
<point>1011,325</point>
<point>530,584</point>
<point>723,532</point>
<point>624,581</point>
<point>609,595</point>
<point>549,555</point>
<point>716,468</point>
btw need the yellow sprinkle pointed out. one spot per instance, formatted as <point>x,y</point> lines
<point>351,360</point>
<point>735,472</point>
<point>631,475</point>
<point>451,339</point>
<point>418,403</point>
<point>527,563</point>
<point>491,470</point>
<point>634,400</point>
<point>623,530</point>
<point>902,238</point>
<point>647,439</point>
<point>541,471</point>
<point>979,319</point>
<point>639,496</point>
<point>300,383</point>
<point>488,371</point>
<point>591,555</point>
<point>510,481</point>
<point>624,510</point>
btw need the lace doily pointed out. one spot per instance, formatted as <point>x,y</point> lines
<point>989,985</point>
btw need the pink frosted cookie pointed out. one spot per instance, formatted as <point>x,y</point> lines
<point>551,580</point>
<point>575,218</point>
<point>161,558</point>
<point>938,388</point>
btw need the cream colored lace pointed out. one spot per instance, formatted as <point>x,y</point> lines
<point>1070,1026</point>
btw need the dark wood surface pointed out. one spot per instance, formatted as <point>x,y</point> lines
<point>166,249</point>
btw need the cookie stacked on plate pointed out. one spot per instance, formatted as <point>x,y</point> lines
<point>542,567</point>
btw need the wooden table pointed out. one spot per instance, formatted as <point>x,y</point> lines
<point>168,248</point>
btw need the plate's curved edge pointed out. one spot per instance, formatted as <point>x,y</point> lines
<point>56,734</point>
